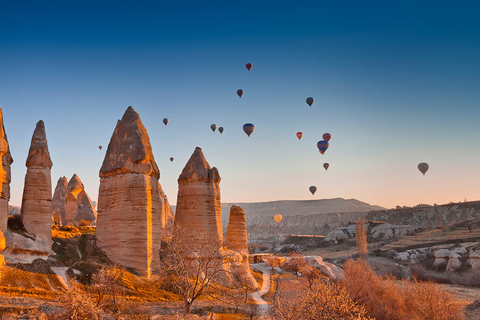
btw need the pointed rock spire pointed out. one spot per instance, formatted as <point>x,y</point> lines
<point>75,185</point>
<point>37,192</point>
<point>129,150</point>
<point>198,199</point>
<point>197,168</point>
<point>38,154</point>
<point>58,201</point>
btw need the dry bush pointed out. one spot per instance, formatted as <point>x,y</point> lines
<point>470,278</point>
<point>324,301</point>
<point>295,262</point>
<point>383,298</point>
<point>379,296</point>
<point>428,301</point>
<point>77,304</point>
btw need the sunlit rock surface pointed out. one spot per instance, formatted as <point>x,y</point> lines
<point>133,211</point>
<point>237,241</point>
<point>198,201</point>
<point>20,249</point>
<point>7,160</point>
<point>58,201</point>
<point>37,192</point>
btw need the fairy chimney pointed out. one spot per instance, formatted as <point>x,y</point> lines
<point>37,192</point>
<point>133,211</point>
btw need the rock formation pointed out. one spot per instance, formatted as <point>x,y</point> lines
<point>7,160</point>
<point>37,192</point>
<point>133,212</point>
<point>58,202</point>
<point>237,241</point>
<point>198,200</point>
<point>71,204</point>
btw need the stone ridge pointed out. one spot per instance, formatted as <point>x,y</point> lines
<point>129,150</point>
<point>38,154</point>
<point>197,168</point>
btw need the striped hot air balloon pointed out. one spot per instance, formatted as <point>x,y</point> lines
<point>248,128</point>
<point>322,146</point>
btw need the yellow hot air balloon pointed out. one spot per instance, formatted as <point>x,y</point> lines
<point>277,218</point>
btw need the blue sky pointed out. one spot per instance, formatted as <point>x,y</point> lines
<point>395,85</point>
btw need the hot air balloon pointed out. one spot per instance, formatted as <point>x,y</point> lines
<point>100,147</point>
<point>322,146</point>
<point>240,92</point>
<point>313,189</point>
<point>327,136</point>
<point>165,121</point>
<point>171,159</point>
<point>249,66</point>
<point>423,167</point>
<point>213,127</point>
<point>277,218</point>
<point>220,129</point>
<point>248,128</point>
<point>310,101</point>
<point>326,165</point>
<point>299,135</point>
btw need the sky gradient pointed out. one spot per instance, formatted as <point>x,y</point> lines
<point>394,84</point>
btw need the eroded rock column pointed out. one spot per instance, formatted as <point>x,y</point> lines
<point>37,192</point>
<point>7,160</point>
<point>132,214</point>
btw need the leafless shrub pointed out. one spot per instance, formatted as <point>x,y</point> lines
<point>77,304</point>
<point>295,262</point>
<point>428,301</point>
<point>192,265</point>
<point>325,300</point>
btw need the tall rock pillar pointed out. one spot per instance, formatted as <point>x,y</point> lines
<point>198,202</point>
<point>37,192</point>
<point>59,212</point>
<point>7,160</point>
<point>131,214</point>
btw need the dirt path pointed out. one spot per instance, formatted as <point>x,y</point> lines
<point>263,306</point>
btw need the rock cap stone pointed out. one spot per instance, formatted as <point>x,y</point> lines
<point>197,169</point>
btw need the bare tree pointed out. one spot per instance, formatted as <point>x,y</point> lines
<point>361,237</point>
<point>295,262</point>
<point>192,264</point>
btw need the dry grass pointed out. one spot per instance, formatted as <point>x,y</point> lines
<point>385,299</point>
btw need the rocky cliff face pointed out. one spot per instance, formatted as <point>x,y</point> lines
<point>59,213</point>
<point>7,160</point>
<point>133,212</point>
<point>237,242</point>
<point>198,201</point>
<point>37,192</point>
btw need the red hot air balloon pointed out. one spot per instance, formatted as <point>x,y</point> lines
<point>326,165</point>
<point>100,147</point>
<point>171,159</point>
<point>299,135</point>
<point>213,127</point>
<point>240,92</point>
<point>249,66</point>
<point>327,136</point>
<point>248,128</point>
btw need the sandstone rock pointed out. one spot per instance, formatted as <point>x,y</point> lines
<point>474,259</point>
<point>329,269</point>
<point>85,213</point>
<point>133,211</point>
<point>20,249</point>
<point>237,241</point>
<point>453,261</point>
<point>7,160</point>
<point>58,202</point>
<point>37,192</point>
<point>441,257</point>
<point>198,201</point>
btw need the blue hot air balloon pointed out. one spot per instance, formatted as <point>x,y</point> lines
<point>322,146</point>
<point>248,128</point>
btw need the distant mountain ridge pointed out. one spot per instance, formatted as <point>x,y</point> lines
<point>300,207</point>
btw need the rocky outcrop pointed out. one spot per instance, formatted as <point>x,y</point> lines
<point>133,212</point>
<point>37,192</point>
<point>329,269</point>
<point>71,204</point>
<point>474,260</point>
<point>59,212</point>
<point>237,242</point>
<point>20,249</point>
<point>198,201</point>
<point>376,230</point>
<point>7,160</point>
